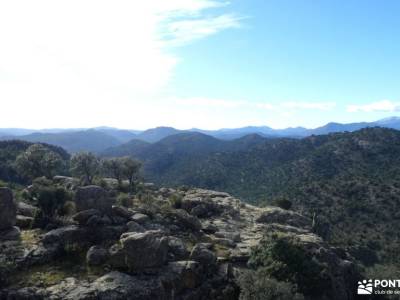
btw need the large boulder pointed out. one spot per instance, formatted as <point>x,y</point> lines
<point>93,197</point>
<point>8,209</point>
<point>140,250</point>
<point>71,235</point>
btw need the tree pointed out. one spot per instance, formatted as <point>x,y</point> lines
<point>86,166</point>
<point>114,167</point>
<point>131,170</point>
<point>39,161</point>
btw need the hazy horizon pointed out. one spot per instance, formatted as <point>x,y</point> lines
<point>163,126</point>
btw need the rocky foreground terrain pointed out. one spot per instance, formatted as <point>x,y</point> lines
<point>181,244</point>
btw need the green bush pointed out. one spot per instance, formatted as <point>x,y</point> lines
<point>124,200</point>
<point>257,285</point>
<point>282,257</point>
<point>283,203</point>
<point>50,199</point>
<point>175,201</point>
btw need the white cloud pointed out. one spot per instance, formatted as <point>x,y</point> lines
<point>380,106</point>
<point>309,105</point>
<point>95,62</point>
<point>223,103</point>
<point>209,102</point>
<point>182,32</point>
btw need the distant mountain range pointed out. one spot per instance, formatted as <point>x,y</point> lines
<point>100,139</point>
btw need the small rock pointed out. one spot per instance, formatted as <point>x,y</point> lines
<point>94,221</point>
<point>121,212</point>
<point>82,217</point>
<point>201,254</point>
<point>185,220</point>
<point>140,218</point>
<point>96,256</point>
<point>177,248</point>
<point>26,209</point>
<point>24,222</point>
<point>199,211</point>
<point>210,228</point>
<point>134,227</point>
<point>234,236</point>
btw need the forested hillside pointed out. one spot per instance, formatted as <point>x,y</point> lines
<point>343,180</point>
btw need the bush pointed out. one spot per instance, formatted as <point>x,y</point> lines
<point>49,198</point>
<point>282,257</point>
<point>68,209</point>
<point>257,285</point>
<point>283,203</point>
<point>175,201</point>
<point>124,200</point>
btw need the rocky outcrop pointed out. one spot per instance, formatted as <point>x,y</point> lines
<point>155,251</point>
<point>114,285</point>
<point>276,215</point>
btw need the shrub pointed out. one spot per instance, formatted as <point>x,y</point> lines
<point>175,200</point>
<point>49,198</point>
<point>68,209</point>
<point>282,257</point>
<point>124,200</point>
<point>283,203</point>
<point>257,285</point>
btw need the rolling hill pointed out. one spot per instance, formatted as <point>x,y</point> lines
<point>117,136</point>
<point>342,180</point>
<point>72,141</point>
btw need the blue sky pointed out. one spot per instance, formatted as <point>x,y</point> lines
<point>198,63</point>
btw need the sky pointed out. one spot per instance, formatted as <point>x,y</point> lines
<point>198,63</point>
